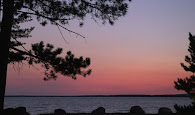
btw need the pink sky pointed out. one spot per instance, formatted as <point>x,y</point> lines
<point>140,54</point>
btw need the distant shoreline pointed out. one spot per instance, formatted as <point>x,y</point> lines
<point>175,95</point>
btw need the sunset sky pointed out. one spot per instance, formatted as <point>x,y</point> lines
<point>140,54</point>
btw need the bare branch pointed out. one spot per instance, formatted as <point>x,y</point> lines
<point>69,30</point>
<point>62,34</point>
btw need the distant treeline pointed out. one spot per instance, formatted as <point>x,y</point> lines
<point>177,95</point>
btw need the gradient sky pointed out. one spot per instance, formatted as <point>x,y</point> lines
<point>140,54</point>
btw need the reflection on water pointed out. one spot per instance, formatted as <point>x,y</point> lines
<point>36,105</point>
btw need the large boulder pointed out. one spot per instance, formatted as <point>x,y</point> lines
<point>99,111</point>
<point>164,110</point>
<point>59,112</point>
<point>137,110</point>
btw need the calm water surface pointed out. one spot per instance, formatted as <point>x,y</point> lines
<point>37,105</point>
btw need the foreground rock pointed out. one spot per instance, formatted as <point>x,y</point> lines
<point>16,111</point>
<point>8,111</point>
<point>59,112</point>
<point>99,111</point>
<point>137,110</point>
<point>164,110</point>
<point>20,111</point>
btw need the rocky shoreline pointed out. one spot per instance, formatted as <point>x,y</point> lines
<point>135,110</point>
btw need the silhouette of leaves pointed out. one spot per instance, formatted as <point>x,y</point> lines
<point>49,59</point>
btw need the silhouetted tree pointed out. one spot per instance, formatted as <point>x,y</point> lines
<point>188,84</point>
<point>58,13</point>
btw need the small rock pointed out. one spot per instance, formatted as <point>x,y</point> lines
<point>20,111</point>
<point>99,111</point>
<point>59,112</point>
<point>137,109</point>
<point>164,110</point>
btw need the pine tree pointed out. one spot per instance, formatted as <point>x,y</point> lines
<point>188,84</point>
<point>59,13</point>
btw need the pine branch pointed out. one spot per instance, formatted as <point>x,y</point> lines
<point>56,23</point>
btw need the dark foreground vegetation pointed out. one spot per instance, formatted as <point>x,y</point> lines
<point>135,110</point>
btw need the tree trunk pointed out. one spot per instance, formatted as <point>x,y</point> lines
<point>5,35</point>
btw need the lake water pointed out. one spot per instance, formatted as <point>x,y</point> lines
<point>37,105</point>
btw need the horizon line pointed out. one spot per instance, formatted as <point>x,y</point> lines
<point>120,95</point>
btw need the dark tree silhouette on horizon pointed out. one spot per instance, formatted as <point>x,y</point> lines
<point>188,84</point>
<point>58,13</point>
